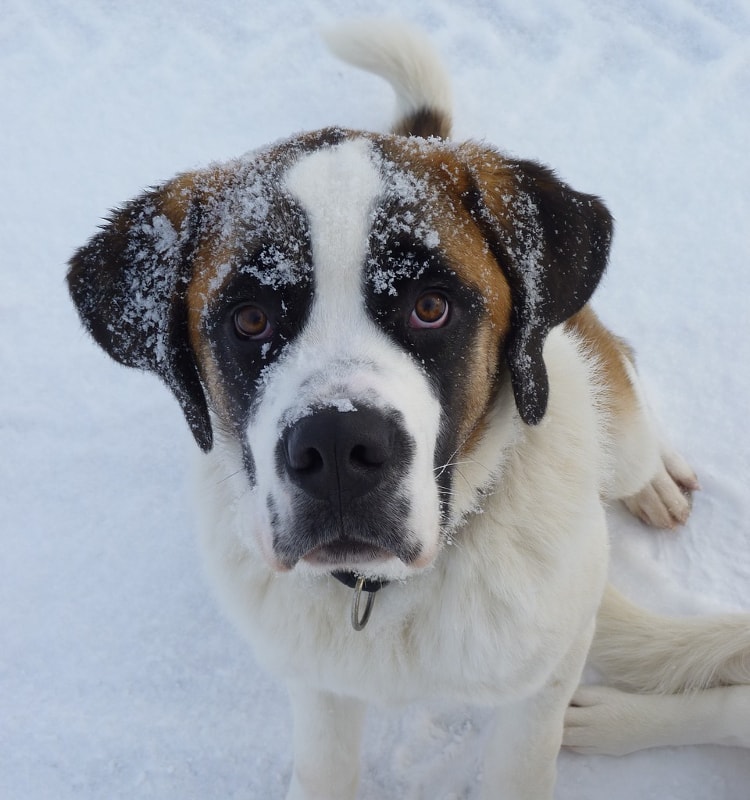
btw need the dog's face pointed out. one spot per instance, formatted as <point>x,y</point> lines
<point>348,306</point>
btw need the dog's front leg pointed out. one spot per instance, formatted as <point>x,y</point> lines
<point>520,762</point>
<point>327,735</point>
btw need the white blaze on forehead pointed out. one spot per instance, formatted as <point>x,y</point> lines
<point>338,188</point>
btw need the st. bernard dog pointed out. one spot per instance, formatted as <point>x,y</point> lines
<point>411,421</point>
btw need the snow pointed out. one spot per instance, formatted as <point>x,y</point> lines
<point>118,677</point>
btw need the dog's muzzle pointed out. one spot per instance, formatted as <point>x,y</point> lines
<point>346,469</point>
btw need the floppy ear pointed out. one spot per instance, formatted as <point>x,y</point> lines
<point>552,244</point>
<point>129,284</point>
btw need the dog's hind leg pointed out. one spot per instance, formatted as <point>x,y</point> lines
<point>654,482</point>
<point>606,721</point>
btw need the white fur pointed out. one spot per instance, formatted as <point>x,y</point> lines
<point>607,721</point>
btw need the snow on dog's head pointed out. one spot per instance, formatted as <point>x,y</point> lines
<point>347,308</point>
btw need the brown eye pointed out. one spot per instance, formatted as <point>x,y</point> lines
<point>430,311</point>
<point>251,322</point>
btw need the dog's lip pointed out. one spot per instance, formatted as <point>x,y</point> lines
<point>343,552</point>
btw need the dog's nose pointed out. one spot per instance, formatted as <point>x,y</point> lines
<point>340,455</point>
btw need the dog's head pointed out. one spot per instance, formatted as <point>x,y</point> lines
<point>347,307</point>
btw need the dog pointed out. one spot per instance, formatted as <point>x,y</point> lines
<point>411,421</point>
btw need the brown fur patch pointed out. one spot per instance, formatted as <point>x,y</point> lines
<point>612,353</point>
<point>202,289</point>
<point>478,269</point>
<point>176,197</point>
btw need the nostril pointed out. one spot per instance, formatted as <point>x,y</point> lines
<point>306,459</point>
<point>367,456</point>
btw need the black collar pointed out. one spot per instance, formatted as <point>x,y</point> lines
<point>350,579</point>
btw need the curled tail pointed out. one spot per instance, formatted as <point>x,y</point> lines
<point>407,60</point>
<point>651,653</point>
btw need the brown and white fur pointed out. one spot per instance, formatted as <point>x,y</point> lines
<point>382,345</point>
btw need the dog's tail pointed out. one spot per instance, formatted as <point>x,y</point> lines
<point>650,653</point>
<point>407,60</point>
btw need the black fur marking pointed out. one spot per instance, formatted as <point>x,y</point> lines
<point>553,254</point>
<point>129,283</point>
<point>426,123</point>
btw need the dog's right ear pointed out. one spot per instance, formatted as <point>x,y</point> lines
<point>129,284</point>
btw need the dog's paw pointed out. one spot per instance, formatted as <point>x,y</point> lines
<point>666,500</point>
<point>604,721</point>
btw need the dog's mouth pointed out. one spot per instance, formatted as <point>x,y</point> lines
<point>343,552</point>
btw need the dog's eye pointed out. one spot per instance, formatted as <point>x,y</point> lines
<point>430,311</point>
<point>251,322</point>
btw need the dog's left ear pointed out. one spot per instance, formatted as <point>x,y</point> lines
<point>552,244</point>
<point>129,283</point>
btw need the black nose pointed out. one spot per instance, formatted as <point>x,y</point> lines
<point>340,455</point>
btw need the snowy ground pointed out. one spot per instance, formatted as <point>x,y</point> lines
<point>118,678</point>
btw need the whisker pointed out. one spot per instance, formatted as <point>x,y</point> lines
<point>457,463</point>
<point>466,480</point>
<point>462,463</point>
<point>454,463</point>
<point>449,462</point>
<point>229,477</point>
